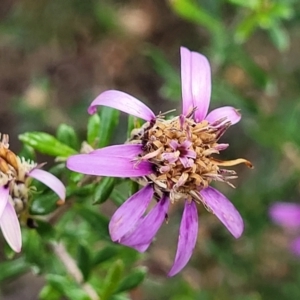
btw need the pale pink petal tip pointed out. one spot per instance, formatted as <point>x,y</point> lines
<point>10,227</point>
<point>285,214</point>
<point>49,180</point>
<point>187,237</point>
<point>123,102</point>
<point>226,113</point>
<point>195,83</point>
<point>114,161</point>
<point>129,213</point>
<point>224,210</point>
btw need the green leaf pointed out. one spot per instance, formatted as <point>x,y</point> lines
<point>67,135</point>
<point>80,191</point>
<point>46,144</point>
<point>109,119</point>
<point>104,189</point>
<point>98,222</point>
<point>190,10</point>
<point>66,287</point>
<point>48,292</point>
<point>245,29</point>
<point>134,187</point>
<point>251,4</point>
<point>93,130</point>
<point>43,204</point>
<point>112,279</point>
<point>132,280</point>
<point>118,197</point>
<point>279,37</point>
<point>105,254</point>
<point>45,230</point>
<point>131,125</point>
<point>13,268</point>
<point>84,261</point>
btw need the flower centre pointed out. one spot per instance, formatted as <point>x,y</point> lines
<point>181,151</point>
<point>13,171</point>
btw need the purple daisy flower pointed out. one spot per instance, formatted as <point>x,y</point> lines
<point>15,174</point>
<point>172,159</point>
<point>287,215</point>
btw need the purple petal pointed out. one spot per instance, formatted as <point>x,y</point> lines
<point>295,246</point>
<point>285,214</point>
<point>230,113</point>
<point>4,192</point>
<point>115,161</point>
<point>187,99</point>
<point>123,102</point>
<point>196,83</point>
<point>187,237</point>
<point>146,229</point>
<point>49,180</point>
<point>174,144</point>
<point>126,150</point>
<point>129,213</point>
<point>224,210</point>
<point>201,85</point>
<point>187,163</point>
<point>10,227</point>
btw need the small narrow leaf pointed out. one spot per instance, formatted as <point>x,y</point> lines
<point>104,189</point>
<point>66,287</point>
<point>98,222</point>
<point>44,204</point>
<point>105,254</point>
<point>84,261</point>
<point>109,120</point>
<point>13,268</point>
<point>46,144</point>
<point>112,279</point>
<point>132,280</point>
<point>67,135</point>
<point>93,130</point>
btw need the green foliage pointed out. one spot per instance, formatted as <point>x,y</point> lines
<point>46,144</point>
<point>251,47</point>
<point>109,119</point>
<point>104,189</point>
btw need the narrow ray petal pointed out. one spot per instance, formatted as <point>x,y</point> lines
<point>187,237</point>
<point>286,214</point>
<point>124,102</point>
<point>4,192</point>
<point>146,229</point>
<point>11,228</point>
<point>201,84</point>
<point>49,180</point>
<point>129,213</point>
<point>224,210</point>
<point>127,150</point>
<point>115,161</point>
<point>230,113</point>
<point>295,246</point>
<point>187,99</point>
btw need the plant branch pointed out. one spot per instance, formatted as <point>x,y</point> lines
<point>73,270</point>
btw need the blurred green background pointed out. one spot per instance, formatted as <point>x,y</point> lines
<point>56,56</point>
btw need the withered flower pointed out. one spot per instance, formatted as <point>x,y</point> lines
<point>15,190</point>
<point>174,159</point>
